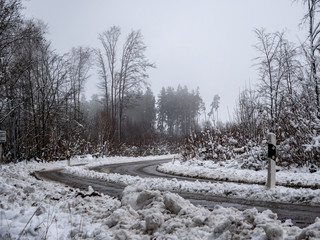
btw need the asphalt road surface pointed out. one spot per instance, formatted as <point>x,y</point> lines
<point>301,215</point>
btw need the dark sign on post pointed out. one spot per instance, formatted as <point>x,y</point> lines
<point>272,152</point>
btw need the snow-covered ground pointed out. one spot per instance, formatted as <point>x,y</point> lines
<point>231,170</point>
<point>33,209</point>
<point>229,189</point>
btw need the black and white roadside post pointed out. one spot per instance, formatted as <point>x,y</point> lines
<point>271,182</point>
<point>3,139</point>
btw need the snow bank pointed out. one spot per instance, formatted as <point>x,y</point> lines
<point>151,214</point>
<point>253,192</point>
<point>33,209</point>
<point>229,171</point>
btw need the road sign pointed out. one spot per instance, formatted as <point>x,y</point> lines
<point>272,152</point>
<point>3,136</point>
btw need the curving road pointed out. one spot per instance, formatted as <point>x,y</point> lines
<point>301,215</point>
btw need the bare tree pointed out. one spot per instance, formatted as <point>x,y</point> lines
<point>79,66</point>
<point>311,50</point>
<point>10,20</point>
<point>272,71</point>
<point>247,113</point>
<point>35,92</point>
<point>109,40</point>
<point>133,70</point>
<point>129,75</point>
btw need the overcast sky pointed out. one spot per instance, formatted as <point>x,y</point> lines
<point>197,43</point>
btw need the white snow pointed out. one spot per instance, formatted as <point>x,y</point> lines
<point>253,192</point>
<point>33,209</point>
<point>229,171</point>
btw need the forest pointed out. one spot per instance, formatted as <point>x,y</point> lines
<point>44,112</point>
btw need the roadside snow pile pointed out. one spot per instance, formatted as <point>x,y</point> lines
<point>151,214</point>
<point>33,209</point>
<point>252,192</point>
<point>229,171</point>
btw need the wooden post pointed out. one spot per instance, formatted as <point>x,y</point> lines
<point>271,181</point>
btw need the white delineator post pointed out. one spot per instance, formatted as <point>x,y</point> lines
<point>68,157</point>
<point>1,151</point>
<point>271,181</point>
<point>3,139</point>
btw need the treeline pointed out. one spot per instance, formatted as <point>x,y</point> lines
<point>44,113</point>
<point>41,104</point>
<point>140,123</point>
<point>179,111</point>
<point>286,101</point>
<point>39,89</point>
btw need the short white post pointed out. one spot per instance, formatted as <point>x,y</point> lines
<point>271,181</point>
<point>68,157</point>
<point>1,152</point>
<point>3,139</point>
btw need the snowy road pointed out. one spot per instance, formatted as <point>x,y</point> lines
<point>301,215</point>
